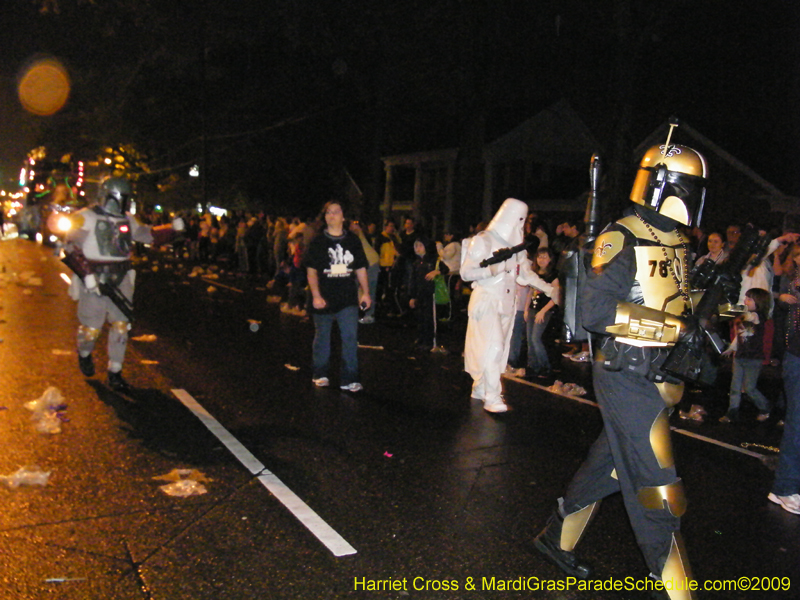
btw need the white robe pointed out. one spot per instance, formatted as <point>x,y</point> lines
<point>491,311</point>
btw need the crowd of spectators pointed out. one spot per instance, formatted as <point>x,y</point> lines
<point>406,260</point>
<point>414,275</point>
<point>757,336</point>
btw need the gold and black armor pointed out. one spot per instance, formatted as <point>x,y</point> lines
<point>638,295</point>
<point>660,293</point>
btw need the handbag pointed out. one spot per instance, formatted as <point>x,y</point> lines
<point>441,293</point>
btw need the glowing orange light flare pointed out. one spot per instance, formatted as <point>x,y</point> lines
<point>43,87</point>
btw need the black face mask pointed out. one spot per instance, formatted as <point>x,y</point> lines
<point>117,205</point>
<point>689,188</point>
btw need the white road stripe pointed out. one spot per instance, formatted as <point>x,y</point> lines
<point>675,429</point>
<point>312,521</point>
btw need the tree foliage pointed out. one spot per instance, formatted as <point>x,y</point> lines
<point>275,97</point>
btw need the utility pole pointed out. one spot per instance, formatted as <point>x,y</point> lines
<point>203,109</point>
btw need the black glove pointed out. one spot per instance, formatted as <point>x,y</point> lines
<point>701,276</point>
<point>731,286</point>
<point>691,327</point>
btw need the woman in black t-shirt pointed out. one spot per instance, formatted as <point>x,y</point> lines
<point>337,277</point>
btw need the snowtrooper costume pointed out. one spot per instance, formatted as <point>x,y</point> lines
<point>102,237</point>
<point>492,304</point>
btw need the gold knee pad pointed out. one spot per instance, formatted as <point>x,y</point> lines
<point>677,573</point>
<point>575,525</point>
<point>671,393</point>
<point>660,440</point>
<point>670,497</point>
<point>88,334</point>
<point>121,327</point>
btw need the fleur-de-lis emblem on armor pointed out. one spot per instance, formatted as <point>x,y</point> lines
<point>670,151</point>
<point>601,250</point>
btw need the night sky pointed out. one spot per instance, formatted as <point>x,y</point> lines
<point>297,89</point>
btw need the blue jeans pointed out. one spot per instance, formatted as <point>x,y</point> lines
<point>538,361</point>
<point>347,319</point>
<point>787,475</point>
<point>745,378</point>
<point>517,335</point>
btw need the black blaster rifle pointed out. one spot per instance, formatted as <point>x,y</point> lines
<point>575,263</point>
<point>80,265</point>
<point>721,283</point>
<point>592,216</point>
<point>504,254</point>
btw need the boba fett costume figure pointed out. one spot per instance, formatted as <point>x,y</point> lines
<point>637,299</point>
<point>98,246</point>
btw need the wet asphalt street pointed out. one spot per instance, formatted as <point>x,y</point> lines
<point>405,490</point>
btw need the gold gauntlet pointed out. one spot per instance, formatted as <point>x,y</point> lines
<point>642,326</point>
<point>730,311</point>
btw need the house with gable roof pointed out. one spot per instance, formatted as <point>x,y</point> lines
<point>544,161</point>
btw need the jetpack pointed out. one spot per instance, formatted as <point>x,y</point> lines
<point>575,262</point>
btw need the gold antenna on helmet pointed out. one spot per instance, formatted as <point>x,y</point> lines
<point>673,123</point>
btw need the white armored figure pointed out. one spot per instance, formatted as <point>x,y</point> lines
<point>492,304</point>
<point>98,249</point>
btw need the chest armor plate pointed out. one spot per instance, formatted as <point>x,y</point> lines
<point>655,285</point>
<point>113,237</point>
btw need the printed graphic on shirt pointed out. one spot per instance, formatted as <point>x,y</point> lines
<point>340,262</point>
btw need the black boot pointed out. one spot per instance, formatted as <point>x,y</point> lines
<point>117,383</point>
<point>548,542</point>
<point>86,365</point>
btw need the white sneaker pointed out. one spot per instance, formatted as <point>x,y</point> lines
<point>498,406</point>
<point>352,387</point>
<point>321,382</point>
<point>788,503</point>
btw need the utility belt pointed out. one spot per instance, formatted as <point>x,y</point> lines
<point>646,361</point>
<point>112,272</point>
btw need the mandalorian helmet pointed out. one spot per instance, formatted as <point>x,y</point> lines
<point>114,196</point>
<point>509,221</point>
<point>672,181</point>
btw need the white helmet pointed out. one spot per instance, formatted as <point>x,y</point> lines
<point>508,222</point>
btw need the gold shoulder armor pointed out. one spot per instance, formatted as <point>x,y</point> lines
<point>607,245</point>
